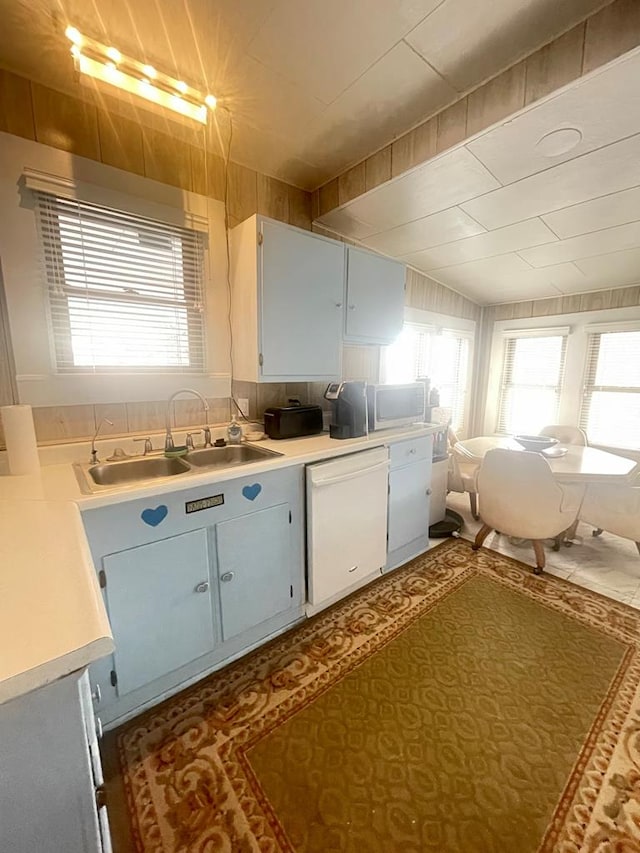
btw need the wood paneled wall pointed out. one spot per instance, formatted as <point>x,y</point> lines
<point>605,35</point>
<point>175,155</point>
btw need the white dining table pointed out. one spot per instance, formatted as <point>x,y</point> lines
<point>578,465</point>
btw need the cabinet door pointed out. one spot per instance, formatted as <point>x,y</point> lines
<point>302,295</point>
<point>375,298</point>
<point>408,503</point>
<point>159,606</point>
<point>254,568</point>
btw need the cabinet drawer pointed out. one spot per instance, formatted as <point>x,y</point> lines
<point>405,452</point>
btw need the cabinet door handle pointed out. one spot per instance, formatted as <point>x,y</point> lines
<point>352,307</point>
<point>99,728</point>
<point>226,577</point>
<point>428,492</point>
<point>97,694</point>
<point>203,586</point>
<point>338,304</point>
<point>413,450</point>
<point>352,569</point>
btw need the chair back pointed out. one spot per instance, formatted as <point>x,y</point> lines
<point>520,497</point>
<point>566,434</point>
<point>614,508</point>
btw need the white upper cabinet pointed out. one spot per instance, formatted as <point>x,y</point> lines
<point>287,303</point>
<point>375,298</point>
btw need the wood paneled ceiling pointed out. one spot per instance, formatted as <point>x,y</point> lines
<point>546,202</point>
<point>313,85</point>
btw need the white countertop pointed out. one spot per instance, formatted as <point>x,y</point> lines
<point>52,617</point>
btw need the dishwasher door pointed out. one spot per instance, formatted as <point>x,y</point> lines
<point>346,524</point>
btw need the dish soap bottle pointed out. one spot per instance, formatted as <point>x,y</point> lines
<point>234,432</point>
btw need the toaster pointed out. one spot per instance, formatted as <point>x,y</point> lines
<point>293,420</point>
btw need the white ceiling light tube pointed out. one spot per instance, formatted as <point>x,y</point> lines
<point>108,65</point>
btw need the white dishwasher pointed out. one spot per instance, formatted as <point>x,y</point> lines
<point>346,524</point>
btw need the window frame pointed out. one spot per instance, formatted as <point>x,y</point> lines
<point>510,339</point>
<point>59,292</point>
<point>458,326</point>
<point>25,164</point>
<point>579,324</point>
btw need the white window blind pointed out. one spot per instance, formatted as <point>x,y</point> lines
<point>610,412</point>
<point>532,374</point>
<point>125,292</point>
<point>442,355</point>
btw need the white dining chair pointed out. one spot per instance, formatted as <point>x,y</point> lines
<point>613,508</point>
<point>520,497</point>
<point>462,475</point>
<point>566,434</point>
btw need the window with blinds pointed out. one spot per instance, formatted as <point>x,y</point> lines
<point>442,355</point>
<point>532,374</point>
<point>610,411</point>
<point>125,292</point>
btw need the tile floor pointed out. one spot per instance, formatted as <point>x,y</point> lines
<point>606,564</point>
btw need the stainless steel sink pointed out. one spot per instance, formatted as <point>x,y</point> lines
<point>147,468</point>
<point>225,457</point>
<point>94,478</point>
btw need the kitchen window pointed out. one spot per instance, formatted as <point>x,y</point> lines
<point>125,291</point>
<point>532,377</point>
<point>441,354</point>
<point>610,410</point>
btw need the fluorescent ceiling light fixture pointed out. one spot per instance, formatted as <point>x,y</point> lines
<point>108,65</point>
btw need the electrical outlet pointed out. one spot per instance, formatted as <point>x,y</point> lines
<point>243,403</point>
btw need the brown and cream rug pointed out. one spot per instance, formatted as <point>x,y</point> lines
<point>459,704</point>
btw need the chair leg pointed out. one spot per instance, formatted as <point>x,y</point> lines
<point>481,535</point>
<point>596,532</point>
<point>540,557</point>
<point>473,502</point>
<point>638,547</point>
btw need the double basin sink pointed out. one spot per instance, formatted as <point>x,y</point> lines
<point>110,474</point>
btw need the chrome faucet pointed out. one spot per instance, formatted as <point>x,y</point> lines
<point>94,452</point>
<point>168,439</point>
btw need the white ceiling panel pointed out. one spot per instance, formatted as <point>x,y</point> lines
<point>598,110</point>
<point>604,212</point>
<point>585,246</point>
<point>303,40</point>
<point>505,270</point>
<point>434,186</point>
<point>613,270</point>
<point>467,40</point>
<point>342,222</point>
<point>452,224</point>
<point>532,232</point>
<point>607,170</point>
<point>372,101</point>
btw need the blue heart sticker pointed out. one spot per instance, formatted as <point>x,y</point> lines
<point>252,492</point>
<point>153,517</point>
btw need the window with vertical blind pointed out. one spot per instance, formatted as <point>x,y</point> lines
<point>441,354</point>
<point>610,410</point>
<point>531,384</point>
<point>125,291</point>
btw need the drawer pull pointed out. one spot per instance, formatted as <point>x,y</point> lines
<point>226,577</point>
<point>97,694</point>
<point>352,569</point>
<point>203,586</point>
<point>413,450</point>
<point>99,728</point>
<point>428,492</point>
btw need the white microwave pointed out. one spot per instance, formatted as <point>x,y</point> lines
<point>395,405</point>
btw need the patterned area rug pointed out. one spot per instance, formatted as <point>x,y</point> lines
<point>459,704</point>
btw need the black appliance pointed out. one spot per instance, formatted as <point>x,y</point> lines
<point>293,420</point>
<point>349,403</point>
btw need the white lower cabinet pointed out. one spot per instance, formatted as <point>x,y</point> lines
<point>174,575</point>
<point>51,785</point>
<point>409,496</point>
<point>254,568</point>
<point>192,580</point>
